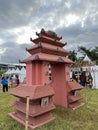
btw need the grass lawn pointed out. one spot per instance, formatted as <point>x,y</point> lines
<point>84,118</point>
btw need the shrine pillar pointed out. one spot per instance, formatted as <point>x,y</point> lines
<point>30,74</point>
<point>59,84</point>
<point>37,73</point>
<point>67,72</point>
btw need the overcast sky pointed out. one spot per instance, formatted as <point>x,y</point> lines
<point>75,20</point>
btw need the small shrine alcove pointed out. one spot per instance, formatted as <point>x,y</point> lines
<point>47,81</point>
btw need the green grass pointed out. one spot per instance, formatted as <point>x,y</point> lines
<point>84,118</point>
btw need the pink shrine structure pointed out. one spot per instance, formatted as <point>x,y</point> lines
<point>47,81</point>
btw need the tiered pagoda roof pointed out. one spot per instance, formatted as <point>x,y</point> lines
<point>34,91</point>
<point>49,47</point>
<point>72,86</point>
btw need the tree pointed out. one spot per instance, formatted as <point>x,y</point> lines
<point>1,72</point>
<point>72,55</point>
<point>91,53</point>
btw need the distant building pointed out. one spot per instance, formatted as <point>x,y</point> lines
<point>5,66</point>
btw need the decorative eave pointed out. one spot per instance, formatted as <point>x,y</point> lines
<point>73,85</point>
<point>39,45</point>
<point>49,49</point>
<point>87,63</point>
<point>47,57</point>
<point>50,34</point>
<point>83,64</point>
<point>34,91</point>
<point>48,40</point>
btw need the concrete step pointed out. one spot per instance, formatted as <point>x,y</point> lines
<point>76,105</point>
<point>73,98</point>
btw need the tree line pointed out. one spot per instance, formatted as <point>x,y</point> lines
<point>92,53</point>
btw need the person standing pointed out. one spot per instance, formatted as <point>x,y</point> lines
<point>4,83</point>
<point>17,82</point>
<point>83,79</point>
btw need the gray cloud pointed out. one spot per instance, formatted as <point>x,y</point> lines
<point>16,13</point>
<point>50,15</point>
<point>14,52</point>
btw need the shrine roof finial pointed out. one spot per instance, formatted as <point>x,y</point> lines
<point>42,30</point>
<point>52,33</point>
<point>49,33</point>
<point>65,43</point>
<point>31,39</point>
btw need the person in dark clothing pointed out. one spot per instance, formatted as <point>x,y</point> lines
<point>17,82</point>
<point>89,80</point>
<point>73,76</point>
<point>82,79</point>
<point>4,84</point>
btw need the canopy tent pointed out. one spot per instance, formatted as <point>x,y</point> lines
<point>85,62</point>
<point>8,71</point>
<point>21,73</point>
<point>87,65</point>
<point>94,73</point>
<point>17,71</point>
<point>86,58</point>
<point>92,68</point>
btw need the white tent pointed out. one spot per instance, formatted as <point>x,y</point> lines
<point>90,66</point>
<point>94,73</point>
<point>8,71</point>
<point>17,71</point>
<point>12,71</point>
<point>21,73</point>
<point>86,58</point>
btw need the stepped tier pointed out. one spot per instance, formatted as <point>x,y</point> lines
<point>50,34</point>
<point>47,48</point>
<point>40,105</point>
<point>76,105</point>
<point>33,122</point>
<point>48,40</point>
<point>73,95</point>
<point>72,98</point>
<point>34,110</point>
<point>73,85</point>
<point>47,57</point>
<point>34,92</point>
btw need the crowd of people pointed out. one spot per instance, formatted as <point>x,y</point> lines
<point>83,77</point>
<point>8,82</point>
